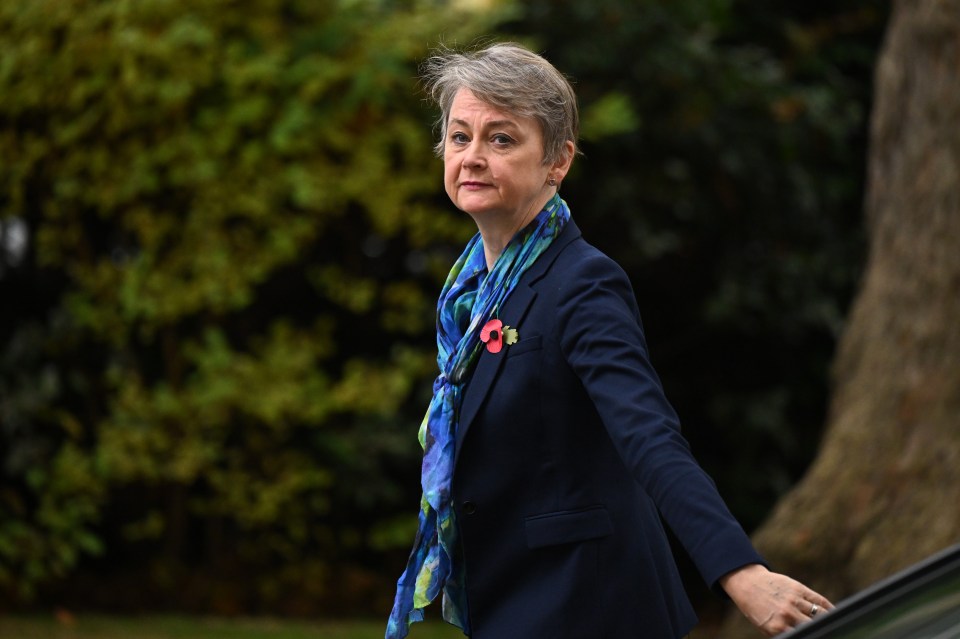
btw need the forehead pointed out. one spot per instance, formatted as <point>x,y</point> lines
<point>468,108</point>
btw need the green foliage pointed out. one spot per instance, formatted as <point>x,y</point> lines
<point>217,306</point>
<point>612,114</point>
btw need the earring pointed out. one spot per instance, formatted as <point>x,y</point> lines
<point>552,182</point>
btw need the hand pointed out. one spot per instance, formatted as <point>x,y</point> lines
<point>772,602</point>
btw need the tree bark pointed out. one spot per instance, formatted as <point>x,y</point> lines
<point>884,490</point>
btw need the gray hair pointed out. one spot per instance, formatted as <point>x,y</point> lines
<point>508,77</point>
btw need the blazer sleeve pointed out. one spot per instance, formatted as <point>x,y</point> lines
<point>602,339</point>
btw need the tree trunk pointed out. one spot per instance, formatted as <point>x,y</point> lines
<point>884,491</point>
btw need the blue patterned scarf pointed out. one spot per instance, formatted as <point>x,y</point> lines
<point>470,298</point>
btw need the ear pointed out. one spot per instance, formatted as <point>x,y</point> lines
<point>561,167</point>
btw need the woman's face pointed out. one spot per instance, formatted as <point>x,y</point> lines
<point>493,163</point>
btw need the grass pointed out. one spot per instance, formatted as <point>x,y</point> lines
<point>65,626</point>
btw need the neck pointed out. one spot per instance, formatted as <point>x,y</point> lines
<point>497,231</point>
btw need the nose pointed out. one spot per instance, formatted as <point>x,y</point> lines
<point>473,156</point>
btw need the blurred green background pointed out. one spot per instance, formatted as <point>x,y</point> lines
<point>222,234</point>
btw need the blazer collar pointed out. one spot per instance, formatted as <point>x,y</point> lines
<point>514,309</point>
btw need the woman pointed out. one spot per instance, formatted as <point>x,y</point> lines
<point>550,451</point>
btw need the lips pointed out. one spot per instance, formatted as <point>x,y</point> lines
<point>473,186</point>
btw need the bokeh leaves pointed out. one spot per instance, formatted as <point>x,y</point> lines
<point>198,181</point>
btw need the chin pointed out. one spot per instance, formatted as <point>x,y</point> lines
<point>475,208</point>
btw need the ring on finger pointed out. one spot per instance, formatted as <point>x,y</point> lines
<point>814,609</point>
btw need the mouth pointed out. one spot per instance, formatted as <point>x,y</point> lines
<point>473,186</point>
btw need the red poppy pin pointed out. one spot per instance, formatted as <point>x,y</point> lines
<point>494,334</point>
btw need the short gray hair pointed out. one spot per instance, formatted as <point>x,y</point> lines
<point>508,77</point>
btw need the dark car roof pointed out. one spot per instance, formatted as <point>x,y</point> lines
<point>921,602</point>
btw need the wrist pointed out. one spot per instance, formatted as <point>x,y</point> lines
<point>735,581</point>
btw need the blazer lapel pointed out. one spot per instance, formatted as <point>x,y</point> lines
<point>514,310</point>
<point>489,363</point>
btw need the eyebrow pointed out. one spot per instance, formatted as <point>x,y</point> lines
<point>490,124</point>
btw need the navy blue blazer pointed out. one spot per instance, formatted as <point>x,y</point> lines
<point>568,453</point>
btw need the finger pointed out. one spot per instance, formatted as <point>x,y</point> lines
<point>797,612</point>
<point>800,612</point>
<point>818,599</point>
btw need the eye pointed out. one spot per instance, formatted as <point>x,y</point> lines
<point>459,137</point>
<point>501,139</point>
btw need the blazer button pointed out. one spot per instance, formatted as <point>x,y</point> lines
<point>468,507</point>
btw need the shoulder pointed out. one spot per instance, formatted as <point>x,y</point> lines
<point>589,296</point>
<point>581,268</point>
<point>580,259</point>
